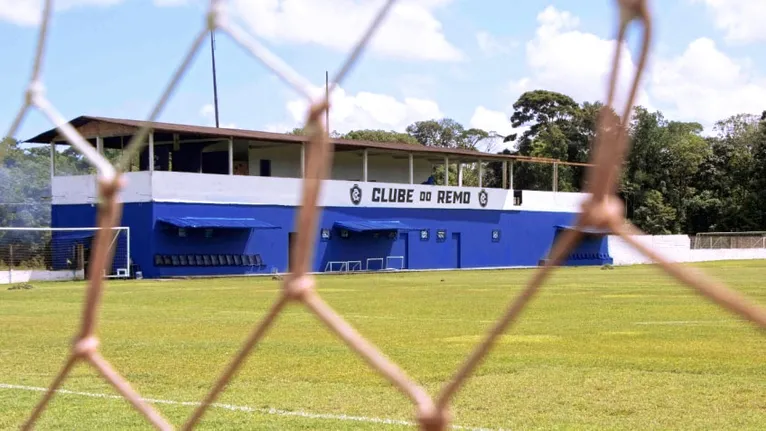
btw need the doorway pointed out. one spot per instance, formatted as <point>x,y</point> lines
<point>290,244</point>
<point>404,236</point>
<point>458,256</point>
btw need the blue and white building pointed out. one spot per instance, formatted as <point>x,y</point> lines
<point>210,201</point>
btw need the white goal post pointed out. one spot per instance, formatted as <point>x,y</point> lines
<point>57,253</point>
<point>395,262</point>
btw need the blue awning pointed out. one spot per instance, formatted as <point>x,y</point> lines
<point>372,225</point>
<point>74,235</point>
<point>217,222</point>
<point>587,230</point>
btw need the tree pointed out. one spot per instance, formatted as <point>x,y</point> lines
<point>447,133</point>
<point>380,136</point>
<point>558,128</point>
<point>654,216</point>
<point>301,131</point>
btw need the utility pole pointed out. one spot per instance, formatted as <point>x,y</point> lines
<point>215,85</point>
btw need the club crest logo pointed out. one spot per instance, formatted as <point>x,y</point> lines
<point>483,198</point>
<point>356,194</point>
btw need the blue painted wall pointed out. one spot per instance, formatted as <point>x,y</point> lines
<point>137,216</point>
<point>593,250</point>
<point>524,237</point>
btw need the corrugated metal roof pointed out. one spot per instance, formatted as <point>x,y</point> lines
<point>215,132</point>
<point>372,225</point>
<point>217,222</point>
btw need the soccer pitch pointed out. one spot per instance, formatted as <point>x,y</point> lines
<point>597,349</point>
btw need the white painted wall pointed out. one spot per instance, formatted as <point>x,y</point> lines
<point>675,248</point>
<point>222,189</point>
<point>533,200</point>
<point>347,166</point>
<point>25,276</point>
<point>255,190</point>
<point>81,189</point>
<point>285,160</point>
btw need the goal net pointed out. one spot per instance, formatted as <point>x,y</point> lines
<point>47,253</point>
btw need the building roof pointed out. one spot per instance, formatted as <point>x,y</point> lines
<point>126,127</point>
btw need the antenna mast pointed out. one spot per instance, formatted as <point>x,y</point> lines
<point>215,85</point>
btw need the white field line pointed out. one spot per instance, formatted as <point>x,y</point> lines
<point>685,322</point>
<point>270,411</point>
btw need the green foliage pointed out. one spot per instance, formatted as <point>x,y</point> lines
<point>380,136</point>
<point>675,179</point>
<point>447,133</point>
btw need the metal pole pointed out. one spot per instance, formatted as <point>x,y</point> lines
<point>10,263</point>
<point>327,97</point>
<point>215,85</point>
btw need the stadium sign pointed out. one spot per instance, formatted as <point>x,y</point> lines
<point>418,197</point>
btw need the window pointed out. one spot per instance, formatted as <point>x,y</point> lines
<point>441,235</point>
<point>182,232</point>
<point>344,233</point>
<point>208,233</point>
<point>265,167</point>
<point>325,234</point>
<point>424,235</point>
<point>496,235</point>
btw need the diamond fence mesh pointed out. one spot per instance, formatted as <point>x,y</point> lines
<point>602,210</point>
<point>729,240</point>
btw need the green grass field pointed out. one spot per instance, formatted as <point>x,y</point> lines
<point>598,349</point>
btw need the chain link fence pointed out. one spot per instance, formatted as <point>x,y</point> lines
<point>601,211</point>
<point>729,240</point>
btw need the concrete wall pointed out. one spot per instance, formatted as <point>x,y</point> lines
<point>25,276</point>
<point>676,248</point>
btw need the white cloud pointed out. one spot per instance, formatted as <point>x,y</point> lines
<point>701,84</point>
<point>207,110</point>
<point>410,31</point>
<point>492,46</point>
<point>29,12</point>
<point>491,121</point>
<point>364,110</point>
<point>170,3</point>
<point>741,20</point>
<point>565,59</point>
<point>208,113</point>
<point>705,85</point>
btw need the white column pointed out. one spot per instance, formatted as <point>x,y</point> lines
<point>151,152</point>
<point>505,174</point>
<point>446,170</point>
<point>460,174</point>
<point>511,175</point>
<point>53,161</point>
<point>412,169</point>
<point>303,160</point>
<point>100,144</point>
<point>365,160</point>
<point>231,156</point>
<point>481,173</point>
<point>555,176</point>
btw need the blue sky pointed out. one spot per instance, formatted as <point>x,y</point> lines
<point>464,59</point>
